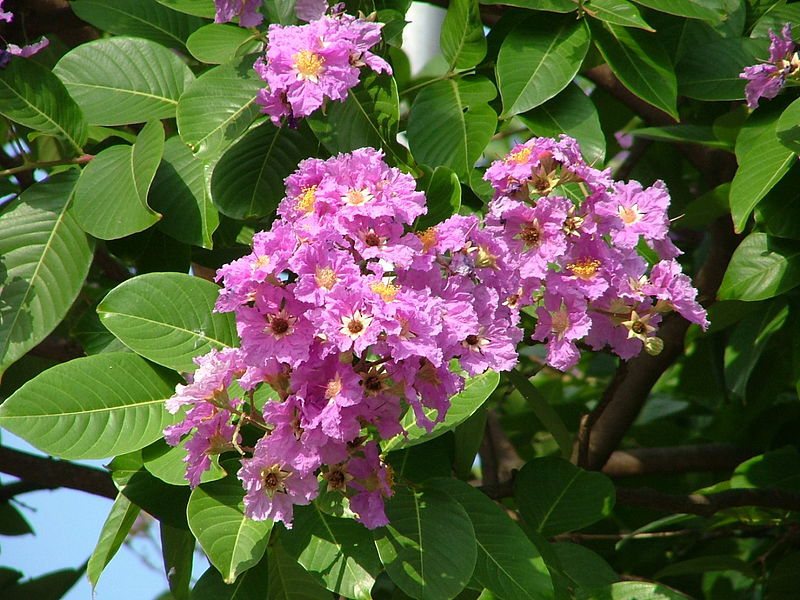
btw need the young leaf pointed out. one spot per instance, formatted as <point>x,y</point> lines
<point>617,12</point>
<point>462,40</point>
<point>120,80</point>
<point>118,523</point>
<point>168,318</point>
<point>44,259</point>
<point>92,407</point>
<point>538,58</point>
<point>218,43</point>
<point>761,267</point>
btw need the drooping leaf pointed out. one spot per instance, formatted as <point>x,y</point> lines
<point>776,212</point>
<point>555,496</point>
<point>218,43</point>
<point>219,106</point>
<point>508,564</point>
<point>462,40</point>
<point>232,541</point>
<point>538,58</point>
<point>618,12</point>
<point>711,72</point>
<point>122,80</point>
<point>32,96</point>
<point>177,551</point>
<point>339,551</point>
<point>181,193</point>
<point>761,267</point>
<point>640,63</point>
<point>111,194</point>
<point>571,112</point>
<point>417,546</point>
<point>92,407</point>
<point>168,318</point>
<point>139,18</point>
<point>248,179</point>
<point>451,122</point>
<point>44,259</point>
<point>442,194</point>
<point>115,529</point>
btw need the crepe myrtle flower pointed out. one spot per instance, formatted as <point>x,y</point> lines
<point>246,10</point>
<point>14,50</point>
<point>766,80</point>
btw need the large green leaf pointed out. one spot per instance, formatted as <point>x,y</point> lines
<point>538,58</point>
<point>451,122</point>
<point>44,259</point>
<point>641,64</point>
<point>139,18</point>
<point>122,80</point>
<point>339,551</point>
<point>33,96</point>
<point>633,590</point>
<point>289,581</point>
<point>248,179</point>
<point>232,541</point>
<point>111,194</point>
<point>115,529</point>
<point>760,268</point>
<point>167,463</point>
<point>508,564</point>
<point>218,43</point>
<point>252,585</point>
<point>788,127</point>
<point>777,469</point>
<point>707,10</point>
<point>571,112</point>
<point>583,567</point>
<point>369,117</point>
<point>776,213</point>
<point>181,193</point>
<point>711,72</point>
<point>219,106</point>
<point>200,8</point>
<point>618,12</point>
<point>462,406</point>
<point>92,407</point>
<point>168,318</point>
<point>558,6</point>
<point>442,195</point>
<point>462,40</point>
<point>428,548</point>
<point>555,496</point>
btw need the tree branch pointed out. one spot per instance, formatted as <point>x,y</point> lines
<point>675,459</point>
<point>51,473</point>
<point>706,505</point>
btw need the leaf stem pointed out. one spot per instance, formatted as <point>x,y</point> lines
<point>30,166</point>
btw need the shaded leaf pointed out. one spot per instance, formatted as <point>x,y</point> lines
<point>442,195</point>
<point>709,10</point>
<point>711,72</point>
<point>115,529</point>
<point>462,40</point>
<point>633,590</point>
<point>177,551</point>
<point>252,585</point>
<point>617,12</point>
<point>289,581</point>
<point>761,267</point>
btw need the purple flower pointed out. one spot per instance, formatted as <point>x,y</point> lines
<point>635,212</point>
<point>246,10</point>
<point>13,49</point>
<point>766,80</point>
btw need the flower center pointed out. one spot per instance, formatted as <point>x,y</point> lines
<point>261,261</point>
<point>387,291</point>
<point>428,238</point>
<point>280,324</point>
<point>531,234</point>
<point>355,326</point>
<point>519,157</point>
<point>325,277</point>
<point>356,197</point>
<point>333,388</point>
<point>585,268</point>
<point>629,214</point>
<point>307,200</point>
<point>309,65</point>
<point>560,322</point>
<point>274,480</point>
<point>372,239</point>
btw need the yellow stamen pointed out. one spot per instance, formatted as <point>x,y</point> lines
<point>387,291</point>
<point>519,157</point>
<point>585,268</point>
<point>309,65</point>
<point>306,201</point>
<point>325,277</point>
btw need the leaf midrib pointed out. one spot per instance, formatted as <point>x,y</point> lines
<point>83,412</point>
<point>122,90</point>
<point>162,324</point>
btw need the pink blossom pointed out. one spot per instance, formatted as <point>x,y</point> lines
<point>766,80</point>
<point>246,10</point>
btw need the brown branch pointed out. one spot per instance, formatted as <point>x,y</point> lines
<point>51,473</point>
<point>499,459</point>
<point>7,492</point>
<point>706,505</point>
<point>675,459</point>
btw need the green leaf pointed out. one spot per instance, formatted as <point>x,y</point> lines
<point>640,63</point>
<point>462,406</point>
<point>181,193</point>
<point>168,318</point>
<point>704,564</point>
<point>538,58</point>
<point>219,106</point>
<point>777,469</point>
<point>32,96</point>
<point>763,161</point>
<point>166,463</point>
<point>369,117</point>
<point>92,407</point>
<point>217,43</point>
<point>633,590</point>
<point>51,586</point>
<point>558,6</point>
<point>760,268</point>
<point>232,541</point>
<point>442,194</point>
<point>555,496</point>
<point>682,134</point>
<point>776,212</point>
<point>289,581</point>
<point>12,522</point>
<point>508,564</point>
<point>462,40</point>
<point>339,551</point>
<point>115,529</point>
<point>583,567</point>
<point>44,259</point>
<point>252,585</point>
<point>177,551</point>
<point>199,8</point>
<point>711,72</point>
<point>120,80</point>
<point>571,112</point>
<point>617,12</point>
<point>248,180</point>
<point>451,122</point>
<point>707,10</point>
<point>111,194</point>
<point>776,16</point>
<point>138,18</point>
<point>417,547</point>
<point>788,127</point>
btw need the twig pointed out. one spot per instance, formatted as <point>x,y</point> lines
<point>42,164</point>
<point>675,459</point>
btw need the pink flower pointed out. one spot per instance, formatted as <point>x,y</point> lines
<point>246,10</point>
<point>766,80</point>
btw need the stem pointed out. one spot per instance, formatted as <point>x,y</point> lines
<point>30,166</point>
<point>446,76</point>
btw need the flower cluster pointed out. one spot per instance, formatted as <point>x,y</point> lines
<point>306,65</point>
<point>571,233</point>
<point>351,317</point>
<point>14,50</point>
<point>246,10</point>
<point>767,79</point>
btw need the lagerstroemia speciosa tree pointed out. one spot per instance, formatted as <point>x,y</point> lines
<point>519,326</point>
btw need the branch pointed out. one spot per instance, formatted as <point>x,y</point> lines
<point>706,505</point>
<point>50,473</point>
<point>499,459</point>
<point>675,459</point>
